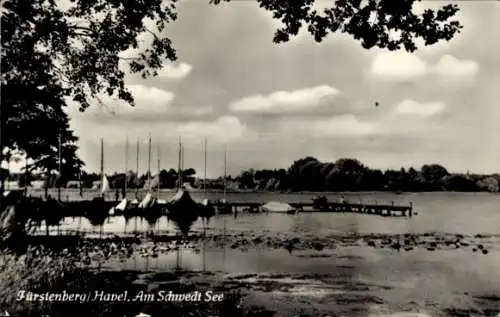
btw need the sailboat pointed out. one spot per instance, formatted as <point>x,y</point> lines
<point>150,209</point>
<point>125,205</point>
<point>98,210</point>
<point>207,210</point>
<point>182,209</point>
<point>148,200</point>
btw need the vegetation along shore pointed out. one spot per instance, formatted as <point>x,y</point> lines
<point>306,174</point>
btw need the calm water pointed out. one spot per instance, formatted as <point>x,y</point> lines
<point>359,280</point>
<point>466,213</point>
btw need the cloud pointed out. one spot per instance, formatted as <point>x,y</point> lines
<point>341,126</point>
<point>151,103</point>
<point>408,118</point>
<point>452,67</point>
<point>398,65</point>
<point>285,101</point>
<point>424,109</point>
<point>225,129</point>
<point>175,71</point>
<point>406,66</point>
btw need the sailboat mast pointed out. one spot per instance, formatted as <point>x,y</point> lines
<point>137,169</point>
<point>102,166</point>
<point>179,171</point>
<point>159,179</point>
<point>225,170</point>
<point>59,152</point>
<point>126,166</point>
<point>205,169</point>
<point>182,156</point>
<point>149,162</point>
<point>102,157</point>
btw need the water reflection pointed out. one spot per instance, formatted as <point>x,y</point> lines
<point>355,279</point>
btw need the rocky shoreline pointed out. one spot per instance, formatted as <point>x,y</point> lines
<point>146,245</point>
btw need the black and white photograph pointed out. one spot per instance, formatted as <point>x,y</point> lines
<point>247,158</point>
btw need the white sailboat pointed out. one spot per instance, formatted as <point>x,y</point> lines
<point>104,179</point>
<point>124,203</point>
<point>158,200</point>
<point>148,200</point>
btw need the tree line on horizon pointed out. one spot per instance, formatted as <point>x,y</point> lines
<point>346,174</point>
<point>305,174</point>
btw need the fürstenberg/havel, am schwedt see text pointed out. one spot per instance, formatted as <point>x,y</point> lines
<point>125,296</point>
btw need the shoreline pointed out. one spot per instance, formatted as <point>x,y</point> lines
<point>335,290</point>
<point>243,241</point>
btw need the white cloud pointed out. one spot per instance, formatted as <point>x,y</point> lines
<point>452,67</point>
<point>225,129</point>
<point>424,109</point>
<point>284,101</point>
<point>175,71</point>
<point>346,125</point>
<point>398,65</point>
<point>406,66</point>
<point>150,102</point>
<point>335,126</point>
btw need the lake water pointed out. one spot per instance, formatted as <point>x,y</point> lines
<point>355,280</point>
<point>466,213</point>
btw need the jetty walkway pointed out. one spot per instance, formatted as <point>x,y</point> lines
<point>385,210</point>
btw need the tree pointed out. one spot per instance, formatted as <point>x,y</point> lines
<point>190,172</point>
<point>459,183</point>
<point>355,18</point>
<point>433,175</point>
<point>45,153</point>
<point>247,179</point>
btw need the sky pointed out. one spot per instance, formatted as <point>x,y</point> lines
<point>272,104</point>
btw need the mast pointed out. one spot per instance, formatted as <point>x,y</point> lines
<point>137,169</point>
<point>182,157</point>
<point>102,166</point>
<point>158,189</point>
<point>149,162</point>
<point>225,170</point>
<point>205,169</point>
<point>59,152</point>
<point>126,166</point>
<point>179,169</point>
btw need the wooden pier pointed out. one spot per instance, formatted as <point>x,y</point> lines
<point>385,210</point>
<point>79,208</point>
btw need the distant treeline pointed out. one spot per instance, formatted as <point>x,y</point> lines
<point>306,174</point>
<point>309,174</point>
